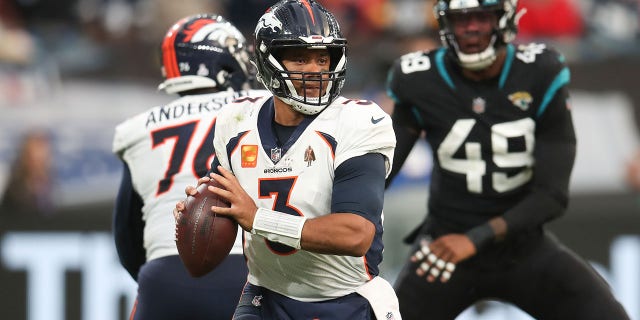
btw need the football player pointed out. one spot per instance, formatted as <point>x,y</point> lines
<point>497,119</point>
<point>304,170</point>
<point>206,62</point>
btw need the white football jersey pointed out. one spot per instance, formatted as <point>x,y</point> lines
<point>298,179</point>
<point>167,148</point>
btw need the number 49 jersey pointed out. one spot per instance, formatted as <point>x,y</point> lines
<point>167,148</point>
<point>296,177</point>
<point>486,136</point>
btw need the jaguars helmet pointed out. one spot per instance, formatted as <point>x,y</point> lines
<point>299,24</point>
<point>205,51</point>
<point>504,33</point>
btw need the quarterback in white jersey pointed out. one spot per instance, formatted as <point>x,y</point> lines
<point>167,148</point>
<point>304,171</point>
<point>297,178</point>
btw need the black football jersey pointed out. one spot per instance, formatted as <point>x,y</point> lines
<point>488,137</point>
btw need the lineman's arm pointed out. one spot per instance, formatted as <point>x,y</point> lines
<point>128,226</point>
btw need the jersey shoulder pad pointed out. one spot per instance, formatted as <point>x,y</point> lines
<point>410,70</point>
<point>363,127</point>
<point>417,61</point>
<point>128,133</point>
<point>245,104</point>
<point>358,113</point>
<point>541,57</point>
<point>238,112</point>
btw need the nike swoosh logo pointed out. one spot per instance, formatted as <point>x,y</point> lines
<point>374,121</point>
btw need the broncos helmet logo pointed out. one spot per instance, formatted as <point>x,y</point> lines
<point>203,29</point>
<point>191,30</point>
<point>269,20</point>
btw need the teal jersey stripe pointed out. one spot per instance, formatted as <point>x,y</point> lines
<point>416,113</point>
<point>395,99</point>
<point>441,69</point>
<point>390,93</point>
<point>511,52</point>
<point>563,78</point>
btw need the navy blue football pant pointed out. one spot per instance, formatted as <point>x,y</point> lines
<point>539,275</point>
<point>167,291</point>
<point>258,303</point>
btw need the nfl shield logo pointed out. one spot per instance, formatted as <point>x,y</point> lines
<point>276,154</point>
<point>479,105</point>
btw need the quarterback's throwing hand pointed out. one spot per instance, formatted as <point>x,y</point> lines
<point>431,265</point>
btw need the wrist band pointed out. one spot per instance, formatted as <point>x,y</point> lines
<point>481,235</point>
<point>278,226</point>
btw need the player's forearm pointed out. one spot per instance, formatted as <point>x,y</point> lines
<point>549,196</point>
<point>338,233</point>
<point>537,209</point>
<point>493,230</point>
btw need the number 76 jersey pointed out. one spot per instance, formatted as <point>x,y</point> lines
<point>487,136</point>
<point>168,148</point>
<point>296,177</point>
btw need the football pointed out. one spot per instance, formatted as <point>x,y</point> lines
<point>203,238</point>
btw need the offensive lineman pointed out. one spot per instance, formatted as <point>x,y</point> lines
<point>205,61</point>
<point>497,119</point>
<point>304,170</point>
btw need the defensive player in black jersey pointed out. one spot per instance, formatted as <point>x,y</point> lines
<point>498,121</point>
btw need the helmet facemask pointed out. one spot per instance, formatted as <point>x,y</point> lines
<point>330,82</point>
<point>476,61</point>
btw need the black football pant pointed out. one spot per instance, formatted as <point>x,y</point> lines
<point>545,279</point>
<point>166,291</point>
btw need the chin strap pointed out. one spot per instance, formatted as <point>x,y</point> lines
<point>477,61</point>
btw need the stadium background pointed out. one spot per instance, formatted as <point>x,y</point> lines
<point>73,69</point>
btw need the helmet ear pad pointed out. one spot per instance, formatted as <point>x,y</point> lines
<point>292,24</point>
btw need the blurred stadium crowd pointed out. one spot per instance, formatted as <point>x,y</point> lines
<point>45,43</point>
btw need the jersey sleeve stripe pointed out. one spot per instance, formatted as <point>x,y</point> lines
<point>233,144</point>
<point>390,92</point>
<point>330,141</point>
<point>563,78</point>
<point>441,69</point>
<point>508,62</point>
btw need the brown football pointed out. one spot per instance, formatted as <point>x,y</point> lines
<point>203,238</point>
